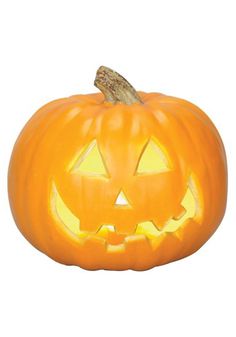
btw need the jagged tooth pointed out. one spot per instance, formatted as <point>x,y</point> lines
<point>82,234</point>
<point>116,248</point>
<point>104,230</point>
<point>167,246</point>
<point>95,241</point>
<point>136,241</point>
<point>180,213</point>
<point>135,238</point>
<point>159,226</point>
<point>158,240</point>
<point>148,228</point>
<point>187,226</point>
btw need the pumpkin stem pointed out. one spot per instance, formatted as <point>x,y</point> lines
<point>115,87</point>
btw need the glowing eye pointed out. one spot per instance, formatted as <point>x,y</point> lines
<point>90,161</point>
<point>152,159</point>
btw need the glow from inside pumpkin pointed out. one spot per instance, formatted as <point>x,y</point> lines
<point>90,162</point>
<point>121,200</point>
<point>152,159</point>
<point>108,232</point>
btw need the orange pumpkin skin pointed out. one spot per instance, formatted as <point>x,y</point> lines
<point>59,130</point>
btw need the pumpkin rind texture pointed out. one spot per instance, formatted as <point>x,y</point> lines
<point>116,186</point>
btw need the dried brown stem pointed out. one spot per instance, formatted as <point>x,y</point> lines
<point>115,87</point>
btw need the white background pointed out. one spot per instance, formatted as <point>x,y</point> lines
<point>51,49</point>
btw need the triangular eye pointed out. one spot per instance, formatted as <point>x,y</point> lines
<point>90,161</point>
<point>152,159</point>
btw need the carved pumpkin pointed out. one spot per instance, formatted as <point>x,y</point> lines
<point>133,181</point>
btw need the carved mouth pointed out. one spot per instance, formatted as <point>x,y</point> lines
<point>115,240</point>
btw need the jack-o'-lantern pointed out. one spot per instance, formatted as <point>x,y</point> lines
<point>133,181</point>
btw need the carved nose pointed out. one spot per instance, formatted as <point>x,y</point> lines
<point>122,200</point>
